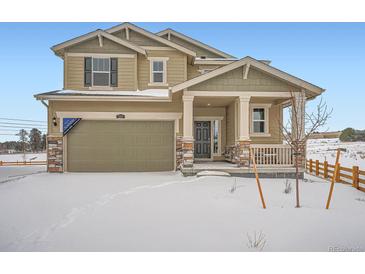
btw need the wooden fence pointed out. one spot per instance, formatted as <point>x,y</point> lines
<point>351,176</point>
<point>23,163</point>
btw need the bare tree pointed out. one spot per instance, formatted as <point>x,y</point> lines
<point>300,127</point>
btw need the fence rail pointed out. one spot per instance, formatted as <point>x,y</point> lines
<point>350,176</point>
<point>22,163</point>
<point>273,155</point>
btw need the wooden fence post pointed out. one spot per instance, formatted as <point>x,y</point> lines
<point>355,177</point>
<point>338,177</point>
<point>317,168</point>
<point>325,169</point>
<point>310,165</point>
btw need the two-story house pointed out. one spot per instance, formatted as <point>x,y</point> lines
<point>139,101</point>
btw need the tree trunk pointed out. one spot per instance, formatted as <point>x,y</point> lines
<point>297,179</point>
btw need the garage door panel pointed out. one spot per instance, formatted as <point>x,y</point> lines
<point>121,146</point>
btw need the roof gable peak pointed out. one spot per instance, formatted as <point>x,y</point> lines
<point>151,36</point>
<point>195,42</point>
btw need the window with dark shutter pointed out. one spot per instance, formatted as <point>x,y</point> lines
<point>113,72</point>
<point>87,71</point>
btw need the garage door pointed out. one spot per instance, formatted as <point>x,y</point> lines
<point>121,146</point>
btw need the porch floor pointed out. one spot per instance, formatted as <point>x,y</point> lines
<point>234,170</point>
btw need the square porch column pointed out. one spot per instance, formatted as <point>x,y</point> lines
<point>298,124</point>
<point>188,138</point>
<point>244,142</point>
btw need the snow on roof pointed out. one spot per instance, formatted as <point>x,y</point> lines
<point>138,93</point>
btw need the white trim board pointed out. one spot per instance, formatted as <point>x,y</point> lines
<point>129,116</point>
<point>95,34</point>
<point>77,54</point>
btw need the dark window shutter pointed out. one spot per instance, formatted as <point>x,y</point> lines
<point>114,72</point>
<point>87,71</point>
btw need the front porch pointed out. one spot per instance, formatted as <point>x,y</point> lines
<point>221,132</point>
<point>273,161</point>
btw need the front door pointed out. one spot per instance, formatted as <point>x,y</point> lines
<point>202,140</point>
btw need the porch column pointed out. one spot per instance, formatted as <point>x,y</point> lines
<point>298,123</point>
<point>243,145</point>
<point>188,139</point>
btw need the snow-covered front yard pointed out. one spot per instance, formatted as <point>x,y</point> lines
<point>23,157</point>
<point>325,149</point>
<point>168,212</point>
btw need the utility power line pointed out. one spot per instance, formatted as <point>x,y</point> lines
<point>21,127</point>
<point>22,124</point>
<point>11,119</point>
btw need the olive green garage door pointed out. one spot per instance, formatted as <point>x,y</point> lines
<point>103,146</point>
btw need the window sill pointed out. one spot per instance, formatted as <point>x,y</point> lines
<point>260,135</point>
<point>101,88</point>
<point>158,84</point>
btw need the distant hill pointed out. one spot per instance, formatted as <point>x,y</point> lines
<point>326,135</point>
<point>352,135</point>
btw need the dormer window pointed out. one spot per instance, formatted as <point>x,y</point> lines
<point>158,68</point>
<point>101,72</point>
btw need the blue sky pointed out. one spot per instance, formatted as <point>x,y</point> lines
<point>330,55</point>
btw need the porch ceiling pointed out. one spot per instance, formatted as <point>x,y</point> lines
<point>213,101</point>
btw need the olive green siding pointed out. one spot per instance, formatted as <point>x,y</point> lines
<point>230,139</point>
<point>95,106</point>
<point>193,70</point>
<point>233,81</point>
<point>93,46</point>
<point>121,146</point>
<point>137,38</point>
<point>176,68</point>
<point>199,51</point>
<point>74,73</point>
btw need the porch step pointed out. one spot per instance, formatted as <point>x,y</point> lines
<point>212,173</point>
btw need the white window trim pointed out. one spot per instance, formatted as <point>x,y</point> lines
<point>161,59</point>
<point>92,72</point>
<point>266,108</point>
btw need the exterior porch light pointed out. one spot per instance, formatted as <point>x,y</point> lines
<point>54,120</point>
<point>208,104</point>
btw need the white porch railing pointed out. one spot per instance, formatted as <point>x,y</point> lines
<point>273,155</point>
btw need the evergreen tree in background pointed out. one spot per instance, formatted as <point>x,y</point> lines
<point>35,140</point>
<point>44,142</point>
<point>23,139</point>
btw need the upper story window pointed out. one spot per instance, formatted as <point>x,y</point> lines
<point>101,72</point>
<point>158,68</point>
<point>260,119</point>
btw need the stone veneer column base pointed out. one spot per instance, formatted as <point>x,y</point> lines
<point>243,153</point>
<point>179,152</point>
<point>54,153</point>
<point>187,152</point>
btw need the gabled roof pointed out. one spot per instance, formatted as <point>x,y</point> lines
<point>194,42</point>
<point>254,63</point>
<point>94,34</point>
<point>151,36</point>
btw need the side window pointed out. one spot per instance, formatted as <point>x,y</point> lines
<point>259,120</point>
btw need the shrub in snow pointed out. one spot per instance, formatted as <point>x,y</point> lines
<point>234,186</point>
<point>288,187</point>
<point>360,199</point>
<point>257,241</point>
